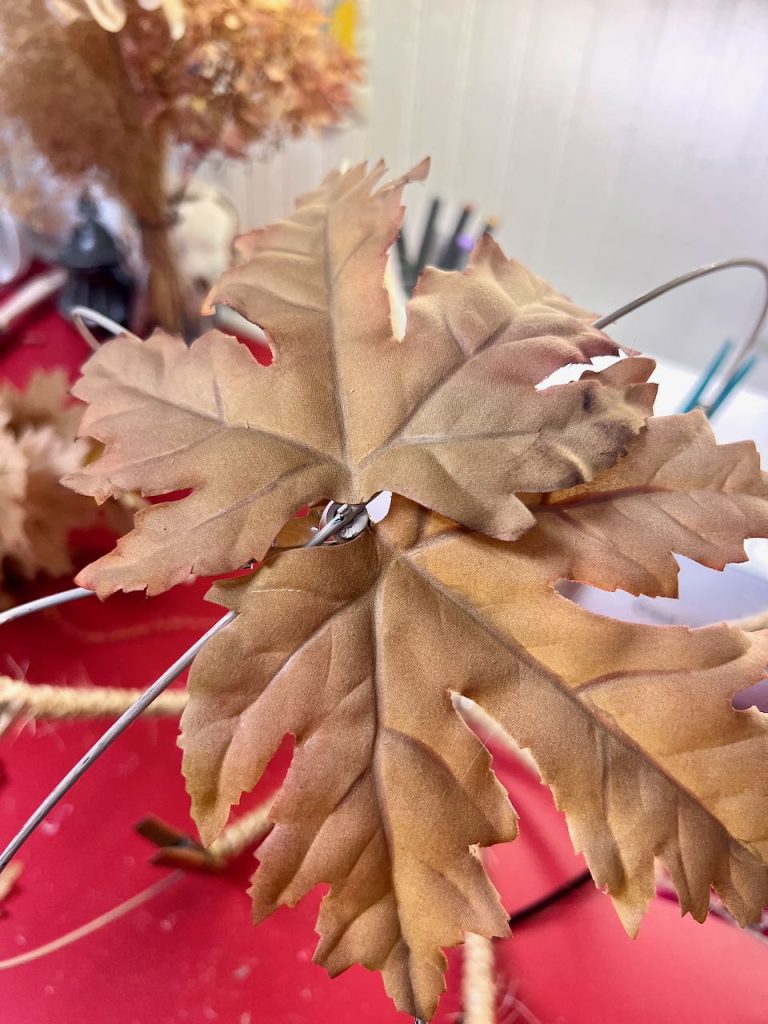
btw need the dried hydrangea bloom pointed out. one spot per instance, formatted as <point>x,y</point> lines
<point>244,71</point>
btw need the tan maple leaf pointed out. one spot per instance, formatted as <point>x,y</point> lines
<point>449,416</point>
<point>357,650</point>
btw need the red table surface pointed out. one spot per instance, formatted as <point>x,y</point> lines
<point>190,953</point>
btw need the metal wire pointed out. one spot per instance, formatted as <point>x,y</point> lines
<point>742,351</point>
<point>344,515</point>
<point>42,603</point>
<point>80,314</point>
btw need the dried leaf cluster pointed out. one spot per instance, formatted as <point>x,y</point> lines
<point>503,489</point>
<point>38,446</point>
<point>226,73</point>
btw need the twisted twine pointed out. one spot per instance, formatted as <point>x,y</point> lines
<point>242,833</point>
<point>39,700</point>
<point>478,982</point>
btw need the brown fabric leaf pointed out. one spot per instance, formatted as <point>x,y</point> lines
<point>691,495</point>
<point>384,813</point>
<point>450,416</point>
<point>357,649</point>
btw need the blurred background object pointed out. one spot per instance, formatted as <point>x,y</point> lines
<point>101,94</point>
<point>96,272</point>
<point>618,144</point>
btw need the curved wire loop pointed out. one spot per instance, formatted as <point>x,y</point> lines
<point>739,355</point>
<point>82,315</point>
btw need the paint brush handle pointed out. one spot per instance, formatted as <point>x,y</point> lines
<point>731,384</point>
<point>694,399</point>
<point>427,239</point>
<point>452,252</point>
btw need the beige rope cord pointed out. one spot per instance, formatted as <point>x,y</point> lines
<point>478,981</point>
<point>242,833</point>
<point>40,700</point>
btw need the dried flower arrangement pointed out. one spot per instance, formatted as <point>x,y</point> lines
<point>103,89</point>
<point>502,489</point>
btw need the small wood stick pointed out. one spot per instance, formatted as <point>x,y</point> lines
<point>39,700</point>
<point>181,850</point>
<point>243,832</point>
<point>478,982</point>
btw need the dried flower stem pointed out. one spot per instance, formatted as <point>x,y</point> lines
<point>8,878</point>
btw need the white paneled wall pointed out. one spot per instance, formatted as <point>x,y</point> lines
<point>619,142</point>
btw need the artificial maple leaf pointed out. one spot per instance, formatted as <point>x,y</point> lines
<point>357,650</point>
<point>451,416</point>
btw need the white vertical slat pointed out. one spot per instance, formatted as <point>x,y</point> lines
<point>620,141</point>
<point>392,75</point>
<point>495,71</point>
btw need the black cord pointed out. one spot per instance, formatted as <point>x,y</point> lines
<point>555,896</point>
